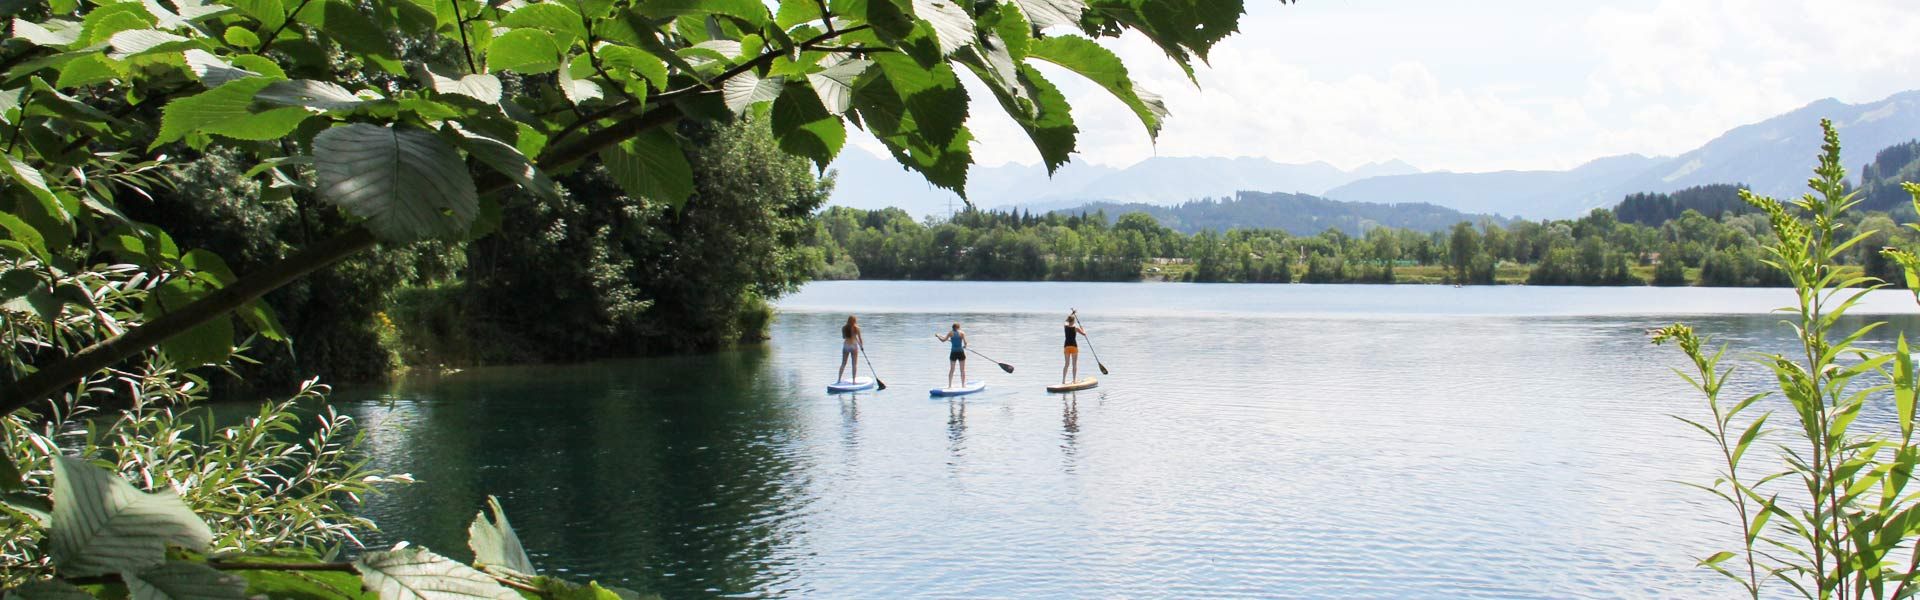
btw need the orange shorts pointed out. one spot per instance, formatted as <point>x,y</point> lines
<point>1072,350</point>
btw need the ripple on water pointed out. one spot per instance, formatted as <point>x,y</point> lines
<point>1226,456</point>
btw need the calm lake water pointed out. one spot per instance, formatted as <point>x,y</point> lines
<point>1252,441</point>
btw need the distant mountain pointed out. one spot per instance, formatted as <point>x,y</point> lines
<point>1532,194</point>
<point>1880,180</point>
<point>870,182</point>
<point>1299,214</point>
<point>1773,157</point>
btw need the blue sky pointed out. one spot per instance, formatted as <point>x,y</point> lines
<point>1491,84</point>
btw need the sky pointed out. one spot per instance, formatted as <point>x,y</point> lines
<point>1484,85</point>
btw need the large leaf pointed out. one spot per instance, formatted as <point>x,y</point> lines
<point>1050,13</point>
<point>1100,65</point>
<point>318,95</point>
<point>805,128</point>
<point>136,42</point>
<point>416,574</point>
<point>213,70</point>
<point>179,580</point>
<point>494,543</point>
<point>934,97</point>
<point>891,120</point>
<point>479,86</point>
<point>346,25</point>
<point>747,89</point>
<point>553,17</point>
<point>1043,112</point>
<point>834,84</point>
<point>509,161</point>
<point>752,12</point>
<point>407,184</point>
<point>651,166</point>
<point>53,32</point>
<point>226,110</point>
<point>952,26</point>
<point>529,51</point>
<point>101,524</point>
<point>23,232</point>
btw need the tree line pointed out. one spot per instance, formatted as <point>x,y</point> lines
<point>1690,248</point>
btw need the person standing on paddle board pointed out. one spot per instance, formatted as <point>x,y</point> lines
<point>850,344</point>
<point>957,355</point>
<point>1071,352</point>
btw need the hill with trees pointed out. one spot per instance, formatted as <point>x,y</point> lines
<point>1298,214</point>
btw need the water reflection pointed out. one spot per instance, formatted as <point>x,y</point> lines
<point>1376,457</point>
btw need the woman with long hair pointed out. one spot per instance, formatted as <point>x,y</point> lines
<point>1071,352</point>
<point>850,344</point>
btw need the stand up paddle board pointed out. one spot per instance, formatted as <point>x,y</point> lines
<point>963,390</point>
<point>859,383</point>
<point>1083,384</point>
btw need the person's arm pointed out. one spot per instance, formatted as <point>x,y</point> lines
<point>940,336</point>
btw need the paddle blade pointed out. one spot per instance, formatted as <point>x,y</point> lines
<point>1006,367</point>
<point>1103,370</point>
<point>879,386</point>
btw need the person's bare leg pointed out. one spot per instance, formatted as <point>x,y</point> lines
<point>950,366</point>
<point>963,372</point>
<point>843,368</point>
<point>1076,366</point>
<point>853,356</point>
<point>1065,361</point>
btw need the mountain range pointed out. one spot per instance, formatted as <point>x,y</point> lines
<point>1772,157</point>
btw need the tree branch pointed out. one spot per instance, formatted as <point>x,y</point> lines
<point>42,384</point>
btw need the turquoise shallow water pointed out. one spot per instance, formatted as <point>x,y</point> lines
<point>1252,441</point>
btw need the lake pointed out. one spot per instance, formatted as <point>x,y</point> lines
<point>1254,441</point>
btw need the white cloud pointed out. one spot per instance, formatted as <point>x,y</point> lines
<point>1498,85</point>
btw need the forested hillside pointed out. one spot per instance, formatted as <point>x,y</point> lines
<point>1299,214</point>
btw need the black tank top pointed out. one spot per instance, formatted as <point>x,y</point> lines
<point>1071,339</point>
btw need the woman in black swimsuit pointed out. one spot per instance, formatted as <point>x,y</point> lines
<point>1071,352</point>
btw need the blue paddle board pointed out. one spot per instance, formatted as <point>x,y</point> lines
<point>859,383</point>
<point>963,390</point>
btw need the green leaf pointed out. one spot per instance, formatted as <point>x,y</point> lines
<point>494,543</point>
<point>528,51</point>
<point>88,70</point>
<point>26,234</point>
<point>552,17</point>
<point>751,12</point>
<point>347,26</point>
<point>53,32</point>
<point>240,36</point>
<point>102,525</point>
<point>416,574</point>
<point>181,580</point>
<point>206,343</point>
<point>1046,117</point>
<point>623,58</point>
<point>50,589</point>
<point>407,184</point>
<point>952,26</point>
<point>896,125</point>
<point>805,128</point>
<point>747,89</point>
<point>226,111</point>
<point>213,70</point>
<point>933,97</point>
<point>834,84</point>
<point>137,42</point>
<point>480,86</point>
<point>509,161</point>
<point>1052,13</point>
<point>651,166</point>
<point>1103,68</point>
<point>10,479</point>
<point>261,318</point>
<point>578,91</point>
<point>270,13</point>
<point>320,96</point>
<point>102,22</point>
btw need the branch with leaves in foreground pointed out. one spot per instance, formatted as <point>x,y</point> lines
<point>104,532</point>
<point>319,94</point>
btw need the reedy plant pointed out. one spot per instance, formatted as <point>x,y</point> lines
<point>1847,529</point>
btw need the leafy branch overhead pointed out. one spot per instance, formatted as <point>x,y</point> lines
<point>408,115</point>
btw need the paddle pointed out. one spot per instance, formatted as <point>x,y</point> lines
<point>1096,355</point>
<point>1003,366</point>
<point>877,383</point>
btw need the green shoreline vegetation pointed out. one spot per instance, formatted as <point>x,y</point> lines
<point>1597,249</point>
